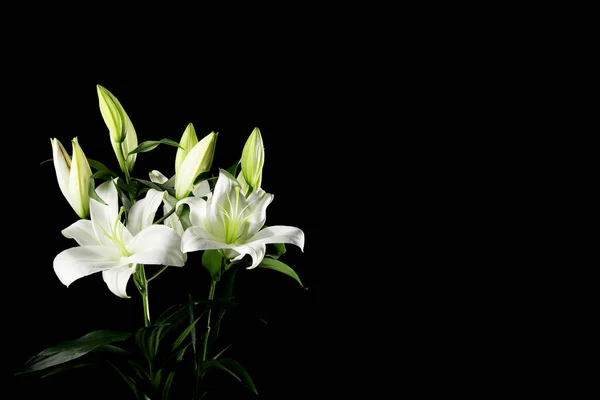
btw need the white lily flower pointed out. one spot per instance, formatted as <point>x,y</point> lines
<point>107,245</point>
<point>122,133</point>
<point>196,161</point>
<point>73,176</point>
<point>232,223</point>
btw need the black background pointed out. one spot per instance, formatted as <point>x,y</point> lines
<point>290,356</point>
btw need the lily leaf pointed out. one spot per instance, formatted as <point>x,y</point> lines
<point>67,367</point>
<point>236,370</point>
<point>233,169</point>
<point>271,263</point>
<point>279,250</point>
<point>92,192</point>
<point>212,261</point>
<point>186,332</point>
<point>202,177</point>
<point>229,279</point>
<point>73,349</point>
<point>98,166</point>
<point>130,382</point>
<point>152,144</point>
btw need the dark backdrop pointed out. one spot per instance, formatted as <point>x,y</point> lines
<point>288,356</point>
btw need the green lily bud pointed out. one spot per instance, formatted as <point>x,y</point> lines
<point>73,176</point>
<point>198,160</point>
<point>187,143</point>
<point>253,159</point>
<point>122,133</point>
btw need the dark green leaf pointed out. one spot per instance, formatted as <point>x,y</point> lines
<point>67,367</point>
<point>92,192</point>
<point>221,352</point>
<point>98,166</point>
<point>185,333</point>
<point>228,281</point>
<point>212,260</point>
<point>277,265</point>
<point>236,370</point>
<point>130,382</point>
<point>279,249</point>
<point>131,189</point>
<point>171,376</point>
<point>153,185</point>
<point>201,177</point>
<point>152,144</point>
<point>73,349</point>
<point>233,169</point>
<point>105,175</point>
<point>141,340</point>
<point>191,307</point>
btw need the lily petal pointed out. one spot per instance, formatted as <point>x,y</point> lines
<point>117,278</point>
<point>258,202</point>
<point>104,216</point>
<point>255,250</point>
<point>197,238</point>
<point>77,262</point>
<point>143,211</point>
<point>279,234</point>
<point>157,245</point>
<point>202,190</point>
<point>157,176</point>
<point>223,198</point>
<point>82,231</point>
<point>197,209</point>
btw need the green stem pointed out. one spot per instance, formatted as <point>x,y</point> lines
<point>160,271</point>
<point>123,164</point>
<point>161,219</point>
<point>143,288</point>
<point>211,296</point>
<point>123,160</point>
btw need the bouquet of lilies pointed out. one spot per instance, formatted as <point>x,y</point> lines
<point>127,224</point>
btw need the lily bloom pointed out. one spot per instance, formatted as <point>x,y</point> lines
<point>106,245</point>
<point>73,176</point>
<point>232,223</point>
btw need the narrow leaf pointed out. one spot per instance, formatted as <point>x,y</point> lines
<point>236,370</point>
<point>66,367</point>
<point>128,381</point>
<point>221,352</point>
<point>279,250</point>
<point>233,169</point>
<point>271,263</point>
<point>73,349</point>
<point>212,261</point>
<point>152,144</point>
<point>98,166</point>
<point>185,333</point>
<point>92,192</point>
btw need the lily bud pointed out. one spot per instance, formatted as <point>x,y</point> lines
<point>253,159</point>
<point>198,160</point>
<point>73,176</point>
<point>187,143</point>
<point>122,133</point>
